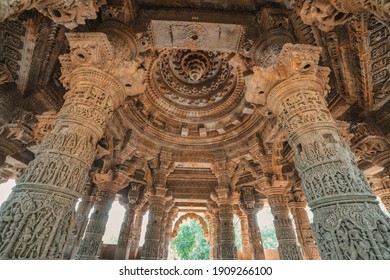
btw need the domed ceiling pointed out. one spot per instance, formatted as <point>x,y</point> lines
<point>194,98</point>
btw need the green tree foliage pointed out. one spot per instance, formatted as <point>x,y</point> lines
<point>190,243</point>
<point>269,238</point>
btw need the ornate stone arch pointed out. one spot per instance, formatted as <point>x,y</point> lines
<point>190,216</point>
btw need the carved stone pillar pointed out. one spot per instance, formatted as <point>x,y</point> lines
<point>81,221</point>
<point>45,196</point>
<point>168,229</point>
<point>277,199</point>
<point>150,250</point>
<point>223,198</point>
<point>217,247</point>
<point>250,205</point>
<point>131,205</point>
<point>92,241</point>
<point>165,228</point>
<point>305,235</point>
<point>108,184</point>
<point>133,244</point>
<point>245,236</point>
<point>212,216</point>
<point>68,13</point>
<point>348,222</point>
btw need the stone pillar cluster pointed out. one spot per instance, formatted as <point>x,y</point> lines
<point>348,222</point>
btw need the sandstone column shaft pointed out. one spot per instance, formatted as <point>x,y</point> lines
<point>255,236</point>
<point>348,223</point>
<point>245,237</point>
<point>228,248</point>
<point>288,247</point>
<point>135,235</point>
<point>124,234</point>
<point>150,250</point>
<point>91,244</point>
<point>79,226</point>
<point>42,204</point>
<point>304,232</point>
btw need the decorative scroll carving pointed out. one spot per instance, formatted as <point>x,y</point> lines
<point>28,222</point>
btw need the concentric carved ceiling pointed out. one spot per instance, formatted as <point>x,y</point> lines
<point>193,99</point>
